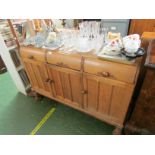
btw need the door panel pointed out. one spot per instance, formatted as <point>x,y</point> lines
<point>31,75</point>
<point>57,86</point>
<point>92,90</point>
<point>106,99</point>
<point>76,88</point>
<point>119,103</point>
<point>105,94</point>
<point>44,75</point>
<point>38,75</point>
<point>98,96</point>
<point>67,85</point>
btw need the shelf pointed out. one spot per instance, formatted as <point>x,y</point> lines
<point>12,47</point>
<point>19,22</point>
<point>19,68</point>
<point>10,53</point>
<point>28,86</point>
<point>24,77</point>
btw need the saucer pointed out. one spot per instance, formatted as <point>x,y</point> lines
<point>138,53</point>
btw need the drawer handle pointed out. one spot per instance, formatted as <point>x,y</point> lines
<point>84,92</point>
<point>30,57</point>
<point>104,74</point>
<point>60,64</point>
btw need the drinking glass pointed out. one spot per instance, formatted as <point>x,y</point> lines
<point>39,40</point>
<point>89,37</point>
<point>104,32</point>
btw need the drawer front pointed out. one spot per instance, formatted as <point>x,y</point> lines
<point>72,61</point>
<point>107,69</point>
<point>33,53</point>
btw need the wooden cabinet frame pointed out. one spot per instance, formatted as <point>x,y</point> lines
<point>98,95</point>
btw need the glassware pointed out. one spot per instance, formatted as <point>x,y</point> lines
<point>39,40</point>
<point>104,31</point>
<point>90,37</point>
<point>87,38</point>
<point>29,41</point>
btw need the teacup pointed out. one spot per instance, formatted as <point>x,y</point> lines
<point>131,43</point>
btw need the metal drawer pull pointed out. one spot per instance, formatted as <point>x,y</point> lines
<point>30,57</point>
<point>84,92</point>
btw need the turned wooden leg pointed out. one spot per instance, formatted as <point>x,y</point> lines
<point>117,131</point>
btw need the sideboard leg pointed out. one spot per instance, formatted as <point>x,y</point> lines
<point>38,97</point>
<point>31,93</point>
<point>34,94</point>
<point>117,131</point>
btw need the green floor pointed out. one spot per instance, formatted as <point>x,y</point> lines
<point>20,115</point>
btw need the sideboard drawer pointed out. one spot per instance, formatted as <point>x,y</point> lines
<point>107,69</point>
<point>72,61</point>
<point>33,53</point>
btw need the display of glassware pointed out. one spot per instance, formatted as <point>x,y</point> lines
<point>104,32</point>
<point>89,38</point>
<point>39,40</point>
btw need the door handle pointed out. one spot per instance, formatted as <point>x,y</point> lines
<point>104,74</point>
<point>51,81</point>
<point>47,80</point>
<point>61,64</point>
<point>31,57</point>
<point>84,92</point>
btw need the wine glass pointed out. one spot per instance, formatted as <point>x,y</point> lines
<point>104,32</point>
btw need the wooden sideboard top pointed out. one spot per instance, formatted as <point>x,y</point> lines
<point>78,55</point>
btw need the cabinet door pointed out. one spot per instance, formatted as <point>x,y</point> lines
<point>106,98</point>
<point>38,76</point>
<point>67,85</point>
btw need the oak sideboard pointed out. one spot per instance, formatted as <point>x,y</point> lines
<point>96,87</point>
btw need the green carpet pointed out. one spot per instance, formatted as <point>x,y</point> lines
<point>20,114</point>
